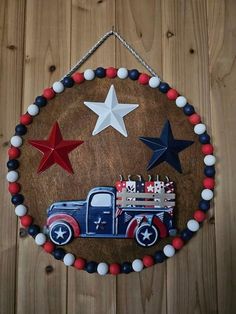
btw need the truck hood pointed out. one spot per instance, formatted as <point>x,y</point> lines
<point>74,204</point>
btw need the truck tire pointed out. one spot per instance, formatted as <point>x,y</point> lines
<point>146,235</point>
<point>60,232</point>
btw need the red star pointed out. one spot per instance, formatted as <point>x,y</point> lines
<point>55,150</point>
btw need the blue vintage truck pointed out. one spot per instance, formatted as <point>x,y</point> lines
<point>107,213</point>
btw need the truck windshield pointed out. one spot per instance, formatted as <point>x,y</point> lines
<point>101,199</point>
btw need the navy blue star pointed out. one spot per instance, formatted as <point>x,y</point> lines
<point>165,148</point>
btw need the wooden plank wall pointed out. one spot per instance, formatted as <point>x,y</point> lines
<point>192,45</point>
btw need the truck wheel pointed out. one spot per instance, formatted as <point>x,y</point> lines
<point>146,235</point>
<point>60,232</point>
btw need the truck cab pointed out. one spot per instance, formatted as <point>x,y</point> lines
<point>100,211</point>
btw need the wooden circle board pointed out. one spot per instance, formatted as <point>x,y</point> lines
<point>102,158</point>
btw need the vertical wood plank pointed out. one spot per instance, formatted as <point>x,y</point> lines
<point>139,22</point>
<point>11,65</point>
<point>42,281</point>
<point>90,20</point>
<point>191,276</point>
<point>222,48</point>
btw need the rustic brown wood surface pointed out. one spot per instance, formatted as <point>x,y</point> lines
<point>191,44</point>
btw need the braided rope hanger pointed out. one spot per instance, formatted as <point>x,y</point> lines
<point>99,43</point>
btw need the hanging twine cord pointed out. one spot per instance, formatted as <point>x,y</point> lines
<point>99,43</point>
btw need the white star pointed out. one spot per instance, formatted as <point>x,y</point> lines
<point>60,233</point>
<point>150,188</point>
<point>99,223</point>
<point>146,234</point>
<point>110,113</point>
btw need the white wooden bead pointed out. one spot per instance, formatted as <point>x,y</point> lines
<point>181,101</point>
<point>69,259</point>
<point>154,82</point>
<point>169,250</point>
<point>207,194</point>
<point>199,128</point>
<point>12,176</point>
<point>20,210</point>
<point>33,110</point>
<point>58,87</point>
<point>137,265</point>
<point>209,160</point>
<point>89,75</point>
<point>16,141</point>
<point>102,269</point>
<point>40,239</point>
<point>122,73</point>
<point>193,225</point>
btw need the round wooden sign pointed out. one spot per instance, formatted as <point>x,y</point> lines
<point>82,127</point>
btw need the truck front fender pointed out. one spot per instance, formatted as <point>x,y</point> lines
<point>67,218</point>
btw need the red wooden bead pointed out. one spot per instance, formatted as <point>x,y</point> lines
<point>13,152</point>
<point>194,118</point>
<point>48,93</point>
<point>111,72</point>
<point>26,119</point>
<point>199,215</point>
<point>79,263</point>
<point>148,261</point>
<point>78,77</point>
<point>26,220</point>
<point>49,247</point>
<point>114,269</point>
<point>207,149</point>
<point>14,187</point>
<point>172,94</point>
<point>143,79</point>
<point>209,183</point>
<point>177,243</point>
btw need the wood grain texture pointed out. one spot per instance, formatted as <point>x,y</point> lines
<point>47,57</point>
<point>11,69</point>
<point>222,48</point>
<point>90,20</point>
<point>186,52</point>
<point>192,45</point>
<point>141,24</point>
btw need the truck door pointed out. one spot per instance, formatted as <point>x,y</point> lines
<point>100,220</point>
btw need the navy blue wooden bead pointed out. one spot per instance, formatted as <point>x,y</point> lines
<point>33,230</point>
<point>159,257</point>
<point>209,171</point>
<point>20,129</point>
<point>91,267</point>
<point>126,267</point>
<point>59,253</point>
<point>17,199</point>
<point>13,164</point>
<point>163,87</point>
<point>204,138</point>
<point>40,101</point>
<point>100,72</point>
<point>133,74</point>
<point>204,205</point>
<point>186,234</point>
<point>68,81</point>
<point>188,110</point>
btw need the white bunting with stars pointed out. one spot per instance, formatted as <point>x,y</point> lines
<point>110,113</point>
